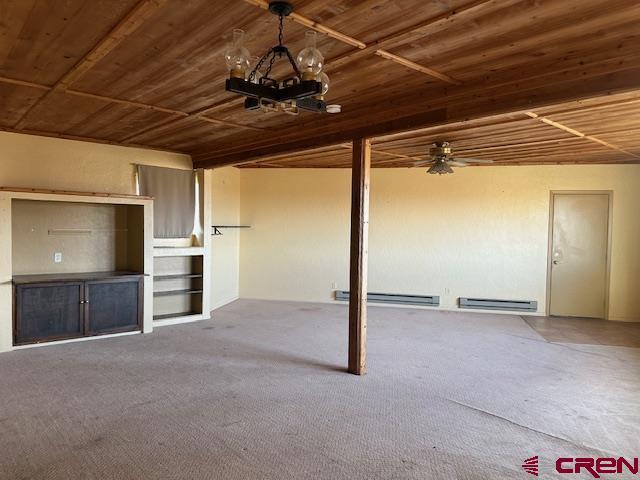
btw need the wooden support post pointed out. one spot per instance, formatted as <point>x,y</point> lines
<point>360,175</point>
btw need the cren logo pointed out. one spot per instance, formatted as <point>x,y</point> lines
<point>530,465</point>
<point>597,466</point>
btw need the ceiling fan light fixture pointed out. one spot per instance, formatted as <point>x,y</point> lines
<point>441,159</point>
<point>440,167</point>
<point>440,149</point>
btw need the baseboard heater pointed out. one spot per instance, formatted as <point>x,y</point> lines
<point>493,304</point>
<point>394,298</point>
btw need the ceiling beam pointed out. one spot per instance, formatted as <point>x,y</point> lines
<point>157,125</point>
<point>577,133</point>
<point>488,90</point>
<point>22,83</point>
<point>415,66</point>
<point>555,124</point>
<point>226,123</point>
<point>599,106</point>
<point>478,107</point>
<point>361,46</point>
<point>199,114</point>
<point>509,146</point>
<point>129,24</point>
<point>128,103</point>
<point>144,10</point>
<point>402,36</point>
<point>307,22</point>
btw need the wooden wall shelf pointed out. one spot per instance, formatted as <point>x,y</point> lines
<point>177,276</point>
<point>166,293</point>
<point>177,251</point>
<point>166,316</point>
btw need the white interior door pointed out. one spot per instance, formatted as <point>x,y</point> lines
<point>579,254</point>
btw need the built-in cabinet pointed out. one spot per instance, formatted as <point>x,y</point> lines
<point>47,236</point>
<point>57,307</point>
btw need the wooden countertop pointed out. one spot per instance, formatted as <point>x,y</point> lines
<point>72,277</point>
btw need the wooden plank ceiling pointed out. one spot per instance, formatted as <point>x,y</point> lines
<point>600,130</point>
<point>517,81</point>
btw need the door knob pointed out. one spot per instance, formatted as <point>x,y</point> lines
<point>555,262</point>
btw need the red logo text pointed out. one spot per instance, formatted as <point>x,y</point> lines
<point>597,466</point>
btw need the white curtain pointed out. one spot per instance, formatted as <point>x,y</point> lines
<point>173,193</point>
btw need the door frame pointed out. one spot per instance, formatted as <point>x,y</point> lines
<point>552,194</point>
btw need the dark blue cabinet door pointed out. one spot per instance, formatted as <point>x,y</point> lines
<point>48,311</point>
<point>113,306</point>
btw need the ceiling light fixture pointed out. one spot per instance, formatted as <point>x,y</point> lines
<point>303,91</point>
<point>441,159</point>
<point>440,167</point>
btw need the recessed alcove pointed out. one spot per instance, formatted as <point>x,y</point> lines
<point>87,237</point>
<point>73,265</point>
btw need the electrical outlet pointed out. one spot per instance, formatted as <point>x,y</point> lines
<point>57,257</point>
<point>447,291</point>
<point>334,285</point>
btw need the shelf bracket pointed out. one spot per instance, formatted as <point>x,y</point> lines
<point>216,228</point>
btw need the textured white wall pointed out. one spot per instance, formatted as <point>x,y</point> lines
<point>58,164</point>
<point>480,232</point>
<point>225,249</point>
<point>49,163</point>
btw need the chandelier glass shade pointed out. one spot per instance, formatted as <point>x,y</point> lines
<point>237,56</point>
<point>304,90</point>
<point>310,60</point>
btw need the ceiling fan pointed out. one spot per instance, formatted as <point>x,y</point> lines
<point>441,159</point>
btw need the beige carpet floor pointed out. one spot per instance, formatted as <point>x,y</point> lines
<point>260,392</point>
<point>588,331</point>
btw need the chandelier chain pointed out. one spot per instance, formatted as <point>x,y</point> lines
<point>271,54</point>
<point>252,75</point>
<point>271,62</point>
<point>293,64</point>
<point>289,95</point>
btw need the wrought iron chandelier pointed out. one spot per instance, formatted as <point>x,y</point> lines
<point>303,91</point>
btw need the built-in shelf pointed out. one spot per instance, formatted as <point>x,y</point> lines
<point>177,251</point>
<point>166,293</point>
<point>177,276</point>
<point>174,315</point>
<point>179,273</point>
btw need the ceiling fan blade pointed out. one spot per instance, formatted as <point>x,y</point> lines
<point>457,163</point>
<point>471,160</point>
